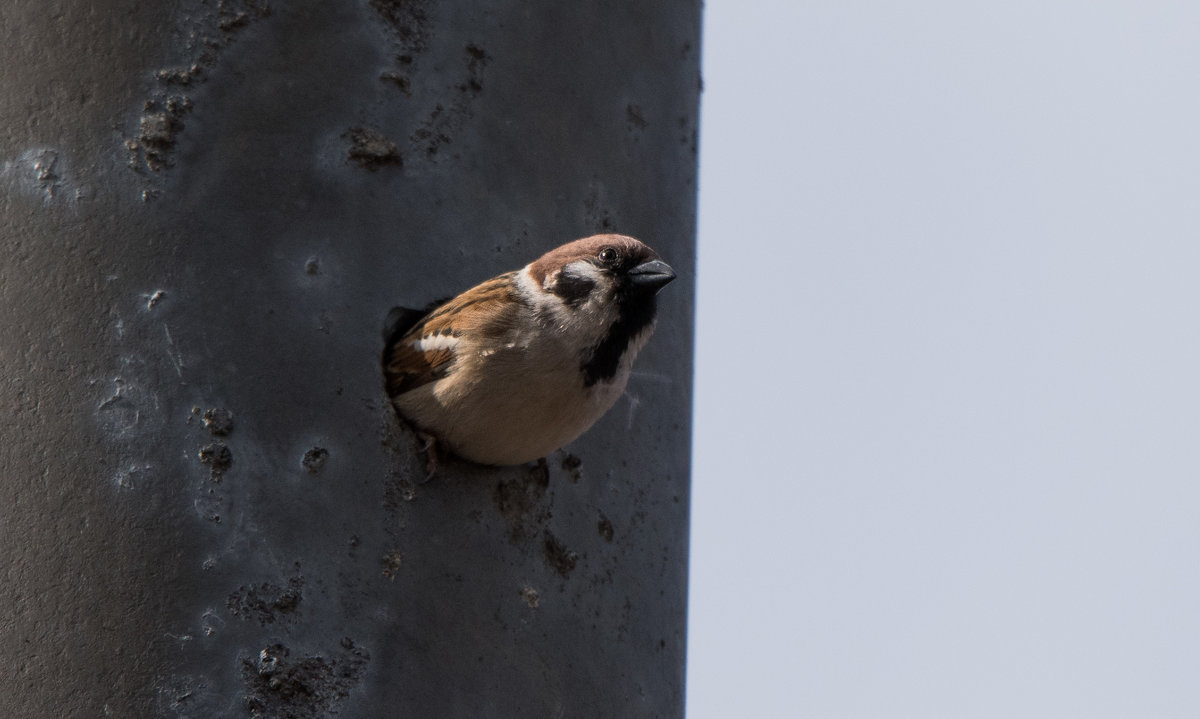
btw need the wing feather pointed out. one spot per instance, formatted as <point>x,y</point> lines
<point>427,351</point>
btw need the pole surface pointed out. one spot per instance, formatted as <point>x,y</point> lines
<point>207,508</point>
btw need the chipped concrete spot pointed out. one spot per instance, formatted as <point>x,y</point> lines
<point>531,596</point>
<point>605,527</point>
<point>314,459</point>
<point>154,298</point>
<point>561,559</point>
<point>409,21</point>
<point>520,501</point>
<point>370,149</point>
<point>161,122</point>
<point>218,457</point>
<point>391,563</point>
<point>45,172</point>
<point>303,688</point>
<point>573,466</point>
<point>266,602</point>
<point>183,76</point>
<point>400,81</point>
<point>158,129</point>
<point>218,422</point>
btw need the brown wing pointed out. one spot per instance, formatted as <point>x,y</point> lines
<point>483,312</point>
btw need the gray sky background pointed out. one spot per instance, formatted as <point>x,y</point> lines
<point>947,450</point>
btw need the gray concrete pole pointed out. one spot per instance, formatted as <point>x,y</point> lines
<point>207,208</point>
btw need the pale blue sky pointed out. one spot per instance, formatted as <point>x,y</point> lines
<point>947,450</point>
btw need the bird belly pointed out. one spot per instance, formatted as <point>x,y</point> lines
<point>518,411</point>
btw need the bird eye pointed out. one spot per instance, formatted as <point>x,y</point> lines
<point>609,256</point>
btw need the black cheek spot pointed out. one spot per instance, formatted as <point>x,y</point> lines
<point>573,289</point>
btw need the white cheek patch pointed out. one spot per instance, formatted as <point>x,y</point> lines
<point>528,288</point>
<point>433,343</point>
<point>584,269</point>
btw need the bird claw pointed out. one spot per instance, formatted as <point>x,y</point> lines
<point>431,455</point>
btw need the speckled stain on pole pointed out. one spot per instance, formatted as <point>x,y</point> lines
<point>207,208</point>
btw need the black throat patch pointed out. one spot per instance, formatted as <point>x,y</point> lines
<point>600,365</point>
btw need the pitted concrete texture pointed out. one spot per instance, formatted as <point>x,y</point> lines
<point>207,208</point>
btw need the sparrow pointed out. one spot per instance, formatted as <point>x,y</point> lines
<point>522,364</point>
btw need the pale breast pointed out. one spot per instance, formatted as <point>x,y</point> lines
<point>512,404</point>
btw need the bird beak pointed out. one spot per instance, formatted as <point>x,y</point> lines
<point>651,276</point>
